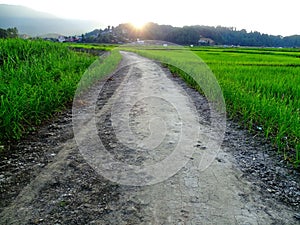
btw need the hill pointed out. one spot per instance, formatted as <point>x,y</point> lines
<point>35,23</point>
<point>191,35</point>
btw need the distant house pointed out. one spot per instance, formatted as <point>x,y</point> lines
<point>24,36</point>
<point>205,41</point>
<point>140,41</point>
<point>61,39</point>
<point>69,39</point>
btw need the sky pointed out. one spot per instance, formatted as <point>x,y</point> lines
<point>266,16</point>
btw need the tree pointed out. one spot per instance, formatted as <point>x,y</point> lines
<point>3,33</point>
<point>9,33</point>
<point>190,35</point>
<point>12,32</point>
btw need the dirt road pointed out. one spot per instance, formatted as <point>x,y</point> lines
<point>139,159</point>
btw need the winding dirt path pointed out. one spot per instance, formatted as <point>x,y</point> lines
<point>139,120</point>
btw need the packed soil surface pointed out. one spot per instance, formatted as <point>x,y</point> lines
<point>50,178</point>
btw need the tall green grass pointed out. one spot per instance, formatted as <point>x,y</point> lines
<point>36,79</point>
<point>262,89</point>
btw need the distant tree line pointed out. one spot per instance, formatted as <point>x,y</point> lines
<point>190,35</point>
<point>9,33</point>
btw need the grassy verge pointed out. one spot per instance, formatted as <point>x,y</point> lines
<point>37,78</point>
<point>261,88</point>
<point>101,47</point>
<point>99,69</point>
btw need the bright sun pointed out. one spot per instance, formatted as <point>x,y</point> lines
<point>138,24</point>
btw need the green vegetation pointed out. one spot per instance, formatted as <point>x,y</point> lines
<point>99,69</point>
<point>9,33</point>
<point>94,46</point>
<point>260,87</point>
<point>37,78</point>
<point>189,35</point>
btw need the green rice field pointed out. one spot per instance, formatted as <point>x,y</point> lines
<point>37,79</point>
<point>262,90</point>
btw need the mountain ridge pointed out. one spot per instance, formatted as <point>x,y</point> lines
<point>36,23</point>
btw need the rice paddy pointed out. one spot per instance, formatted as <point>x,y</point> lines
<point>262,90</point>
<point>37,79</point>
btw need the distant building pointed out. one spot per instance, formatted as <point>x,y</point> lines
<point>140,41</point>
<point>24,36</point>
<point>205,41</point>
<point>61,39</point>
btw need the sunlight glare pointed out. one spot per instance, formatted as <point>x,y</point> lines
<point>138,24</point>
